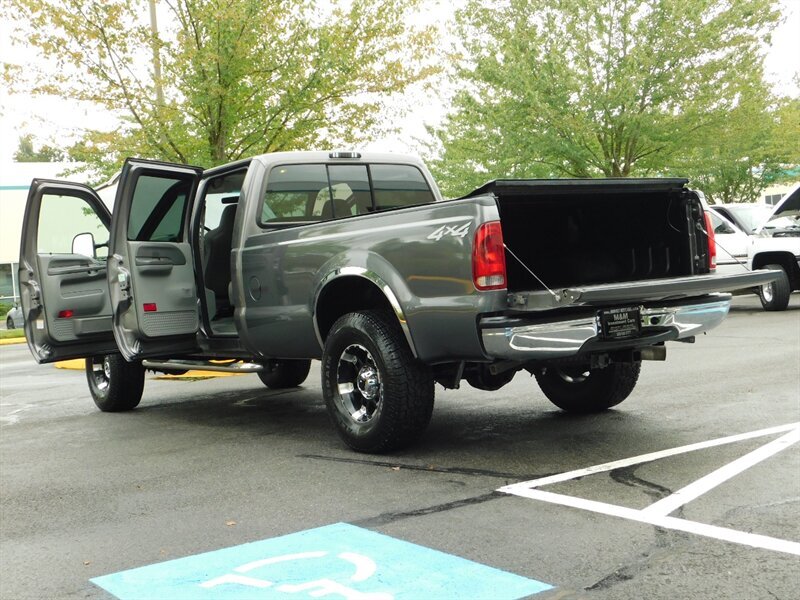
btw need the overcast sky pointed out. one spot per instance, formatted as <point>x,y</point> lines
<point>60,120</point>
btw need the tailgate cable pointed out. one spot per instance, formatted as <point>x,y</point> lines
<point>731,254</point>
<point>553,294</point>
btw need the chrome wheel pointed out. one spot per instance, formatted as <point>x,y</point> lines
<point>101,372</point>
<point>767,293</point>
<point>359,383</point>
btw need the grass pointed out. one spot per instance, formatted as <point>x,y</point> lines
<point>11,333</point>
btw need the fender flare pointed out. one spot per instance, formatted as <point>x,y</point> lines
<point>378,282</point>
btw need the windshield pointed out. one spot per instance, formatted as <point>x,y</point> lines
<point>750,215</point>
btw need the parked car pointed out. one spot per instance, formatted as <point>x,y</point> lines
<point>731,244</point>
<point>772,241</point>
<point>747,216</point>
<point>14,319</point>
<point>775,245</point>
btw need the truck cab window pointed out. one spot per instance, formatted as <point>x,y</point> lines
<point>61,218</point>
<point>350,191</point>
<point>395,186</point>
<point>292,192</point>
<point>157,209</point>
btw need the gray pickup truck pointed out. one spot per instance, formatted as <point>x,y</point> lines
<point>264,264</point>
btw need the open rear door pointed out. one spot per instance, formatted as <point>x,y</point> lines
<point>151,272</point>
<point>62,272</point>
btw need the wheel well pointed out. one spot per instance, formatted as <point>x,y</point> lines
<point>785,259</point>
<point>344,295</point>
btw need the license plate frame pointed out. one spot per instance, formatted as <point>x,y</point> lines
<point>621,323</point>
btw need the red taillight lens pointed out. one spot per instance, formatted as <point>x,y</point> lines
<point>149,307</point>
<point>489,257</point>
<point>66,314</point>
<point>712,245</point>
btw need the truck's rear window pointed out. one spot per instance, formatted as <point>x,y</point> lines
<point>395,186</point>
<point>317,192</point>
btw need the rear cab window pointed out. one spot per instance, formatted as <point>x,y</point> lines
<point>397,186</point>
<point>309,193</point>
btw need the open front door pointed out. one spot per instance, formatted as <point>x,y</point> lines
<point>62,272</point>
<point>151,272</point>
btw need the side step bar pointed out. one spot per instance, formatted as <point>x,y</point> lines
<point>179,365</point>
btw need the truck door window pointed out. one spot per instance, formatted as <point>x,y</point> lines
<point>395,186</point>
<point>61,218</point>
<point>292,191</point>
<point>350,190</point>
<point>221,191</point>
<point>158,208</point>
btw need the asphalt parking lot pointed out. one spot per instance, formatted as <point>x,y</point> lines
<point>205,465</point>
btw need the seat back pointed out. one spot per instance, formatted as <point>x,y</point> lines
<point>218,247</point>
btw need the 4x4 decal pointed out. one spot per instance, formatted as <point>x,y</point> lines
<point>459,231</point>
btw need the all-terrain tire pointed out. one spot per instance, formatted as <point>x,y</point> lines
<point>280,374</point>
<point>379,397</point>
<point>775,295</point>
<point>583,390</point>
<point>115,384</point>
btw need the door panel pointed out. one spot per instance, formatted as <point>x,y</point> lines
<point>151,269</point>
<point>65,295</point>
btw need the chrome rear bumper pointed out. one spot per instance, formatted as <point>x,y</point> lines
<point>562,339</point>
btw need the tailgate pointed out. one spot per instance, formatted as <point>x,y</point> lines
<point>638,291</point>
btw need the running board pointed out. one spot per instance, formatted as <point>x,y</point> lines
<point>178,365</point>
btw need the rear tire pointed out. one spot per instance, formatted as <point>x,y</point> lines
<point>775,295</point>
<point>379,397</point>
<point>115,384</point>
<point>280,374</point>
<point>583,390</point>
<point>10,323</point>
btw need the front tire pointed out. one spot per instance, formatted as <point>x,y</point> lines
<point>775,295</point>
<point>582,390</point>
<point>10,323</point>
<point>115,384</point>
<point>280,374</point>
<point>379,397</point>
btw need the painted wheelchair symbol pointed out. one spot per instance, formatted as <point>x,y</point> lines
<point>364,569</point>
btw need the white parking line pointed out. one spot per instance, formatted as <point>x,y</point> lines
<point>656,513</point>
<point>671,503</point>
<point>635,460</point>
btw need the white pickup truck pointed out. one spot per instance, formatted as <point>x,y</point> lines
<point>775,245</point>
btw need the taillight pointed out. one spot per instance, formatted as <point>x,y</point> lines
<point>489,257</point>
<point>712,246</point>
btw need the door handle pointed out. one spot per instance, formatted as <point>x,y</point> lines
<point>153,261</point>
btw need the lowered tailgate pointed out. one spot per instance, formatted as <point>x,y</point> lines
<point>638,291</point>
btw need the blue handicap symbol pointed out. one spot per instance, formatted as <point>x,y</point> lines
<point>338,561</point>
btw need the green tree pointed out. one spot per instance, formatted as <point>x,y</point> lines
<point>756,148</point>
<point>26,153</point>
<point>586,88</point>
<point>224,79</point>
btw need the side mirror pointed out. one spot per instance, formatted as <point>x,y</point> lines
<point>83,243</point>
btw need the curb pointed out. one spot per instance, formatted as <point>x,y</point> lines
<point>9,341</point>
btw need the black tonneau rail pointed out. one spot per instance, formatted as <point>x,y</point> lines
<point>512,187</point>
